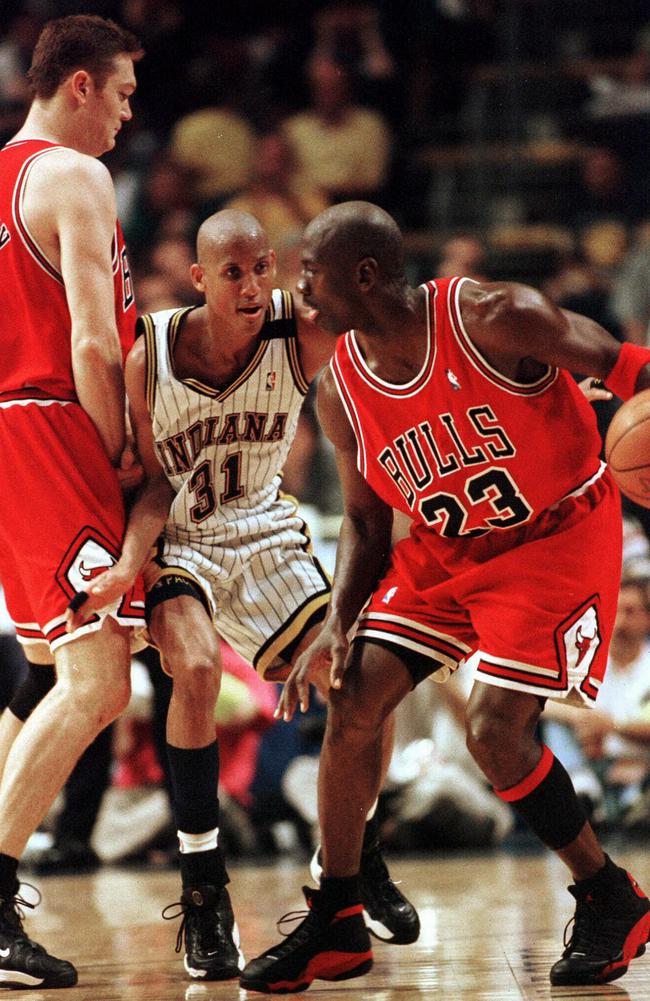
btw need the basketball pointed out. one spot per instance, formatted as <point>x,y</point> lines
<point>627,448</point>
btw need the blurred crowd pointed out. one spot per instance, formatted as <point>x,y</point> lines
<point>509,138</point>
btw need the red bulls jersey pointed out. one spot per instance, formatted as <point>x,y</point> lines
<point>35,321</point>
<point>461,448</point>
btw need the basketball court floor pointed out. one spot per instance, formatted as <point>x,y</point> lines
<point>492,926</point>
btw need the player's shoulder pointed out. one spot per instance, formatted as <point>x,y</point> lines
<point>280,318</point>
<point>158,318</point>
<point>71,167</point>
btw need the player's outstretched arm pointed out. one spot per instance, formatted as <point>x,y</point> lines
<point>363,548</point>
<point>149,511</point>
<point>510,322</point>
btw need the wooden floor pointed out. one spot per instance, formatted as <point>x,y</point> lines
<point>491,927</point>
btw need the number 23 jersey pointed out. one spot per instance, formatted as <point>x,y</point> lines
<point>462,449</point>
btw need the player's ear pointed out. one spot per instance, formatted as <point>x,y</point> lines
<point>196,274</point>
<point>80,82</point>
<point>366,273</point>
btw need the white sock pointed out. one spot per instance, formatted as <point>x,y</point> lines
<point>203,842</point>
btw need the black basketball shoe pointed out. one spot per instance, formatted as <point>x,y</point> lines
<point>328,944</point>
<point>611,926</point>
<point>24,963</point>
<point>210,931</point>
<point>388,914</point>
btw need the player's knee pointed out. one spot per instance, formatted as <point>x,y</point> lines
<point>350,720</point>
<point>93,702</point>
<point>490,737</point>
<point>196,677</point>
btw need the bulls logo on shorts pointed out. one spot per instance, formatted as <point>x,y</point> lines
<point>580,638</point>
<point>88,557</point>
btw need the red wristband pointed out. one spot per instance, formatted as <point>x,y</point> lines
<point>622,379</point>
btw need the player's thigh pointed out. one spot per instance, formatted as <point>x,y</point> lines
<point>268,613</point>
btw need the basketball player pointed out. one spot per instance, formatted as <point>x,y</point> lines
<point>67,320</point>
<point>215,393</point>
<point>452,403</point>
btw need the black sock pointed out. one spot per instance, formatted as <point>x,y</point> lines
<point>606,874</point>
<point>204,868</point>
<point>547,801</point>
<point>340,891</point>
<point>194,776</point>
<point>8,876</point>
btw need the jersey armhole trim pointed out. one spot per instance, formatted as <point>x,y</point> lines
<point>150,361</point>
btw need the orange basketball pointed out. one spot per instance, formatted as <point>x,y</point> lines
<point>627,448</point>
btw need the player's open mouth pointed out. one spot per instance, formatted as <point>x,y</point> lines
<point>250,310</point>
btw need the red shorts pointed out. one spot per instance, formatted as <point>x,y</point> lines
<point>530,609</point>
<point>61,518</point>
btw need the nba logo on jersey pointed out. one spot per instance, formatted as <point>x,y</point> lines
<point>271,378</point>
<point>452,378</point>
<point>5,235</point>
<point>390,593</point>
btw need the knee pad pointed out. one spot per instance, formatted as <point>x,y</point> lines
<point>39,680</point>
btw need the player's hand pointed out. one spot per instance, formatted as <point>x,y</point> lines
<point>594,389</point>
<point>130,472</point>
<point>325,658</point>
<point>105,590</point>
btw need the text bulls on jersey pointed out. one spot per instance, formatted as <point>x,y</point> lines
<point>440,447</point>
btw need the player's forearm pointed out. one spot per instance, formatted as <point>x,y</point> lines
<point>99,382</point>
<point>362,552</point>
<point>146,521</point>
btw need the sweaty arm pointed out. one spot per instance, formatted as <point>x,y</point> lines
<point>71,210</point>
<point>515,325</point>
<point>150,509</point>
<point>363,547</point>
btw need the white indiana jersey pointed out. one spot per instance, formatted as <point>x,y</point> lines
<point>223,449</point>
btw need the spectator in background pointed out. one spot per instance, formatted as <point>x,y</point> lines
<point>216,143</point>
<point>602,189</point>
<point>160,205</point>
<point>283,202</point>
<point>630,299</point>
<point>15,56</point>
<point>342,147</point>
<point>462,255</point>
<point>351,32</point>
<point>171,259</point>
<point>607,751</point>
<point>618,114</point>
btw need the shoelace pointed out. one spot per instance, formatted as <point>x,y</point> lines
<point>295,937</point>
<point>183,909</point>
<point>12,907</point>
<point>593,930</point>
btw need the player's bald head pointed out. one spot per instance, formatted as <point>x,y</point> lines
<point>352,231</point>
<point>226,228</point>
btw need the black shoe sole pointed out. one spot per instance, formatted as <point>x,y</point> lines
<point>265,988</point>
<point>61,984</point>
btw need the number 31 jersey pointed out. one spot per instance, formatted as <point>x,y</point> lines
<point>223,449</point>
<point>462,449</point>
